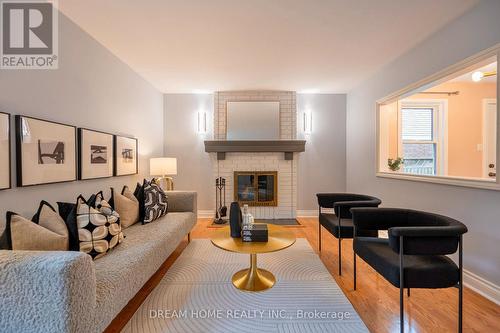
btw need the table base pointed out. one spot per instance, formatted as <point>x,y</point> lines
<point>253,278</point>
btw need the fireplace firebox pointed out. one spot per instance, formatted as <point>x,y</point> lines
<point>256,188</point>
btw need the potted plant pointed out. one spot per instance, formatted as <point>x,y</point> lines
<point>395,164</point>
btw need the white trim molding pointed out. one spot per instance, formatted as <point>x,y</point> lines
<point>307,213</point>
<point>484,184</point>
<point>205,214</point>
<point>483,287</point>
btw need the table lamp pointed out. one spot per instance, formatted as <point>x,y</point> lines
<point>164,167</point>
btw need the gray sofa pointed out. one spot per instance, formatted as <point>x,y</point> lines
<point>68,292</point>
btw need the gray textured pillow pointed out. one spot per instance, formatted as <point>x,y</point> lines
<point>47,231</point>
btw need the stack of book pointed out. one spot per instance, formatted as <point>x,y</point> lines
<point>256,232</point>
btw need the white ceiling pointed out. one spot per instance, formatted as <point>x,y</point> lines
<point>302,45</point>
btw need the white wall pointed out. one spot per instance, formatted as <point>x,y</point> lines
<point>478,209</point>
<point>194,166</point>
<point>322,167</point>
<point>92,88</point>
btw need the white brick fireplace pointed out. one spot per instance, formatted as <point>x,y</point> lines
<point>287,169</point>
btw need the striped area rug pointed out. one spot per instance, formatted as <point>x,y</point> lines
<point>197,296</point>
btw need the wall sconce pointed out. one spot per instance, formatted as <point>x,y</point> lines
<point>307,121</point>
<point>202,122</point>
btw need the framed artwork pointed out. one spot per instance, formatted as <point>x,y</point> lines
<point>125,156</point>
<point>45,151</point>
<point>4,151</point>
<point>95,154</point>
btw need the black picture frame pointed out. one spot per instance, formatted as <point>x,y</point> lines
<point>80,153</point>
<point>9,140</point>
<point>116,172</point>
<point>19,152</point>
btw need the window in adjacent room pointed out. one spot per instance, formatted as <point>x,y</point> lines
<point>421,133</point>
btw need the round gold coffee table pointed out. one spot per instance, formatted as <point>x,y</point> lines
<point>253,278</point>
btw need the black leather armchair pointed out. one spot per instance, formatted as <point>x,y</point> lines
<point>415,254</point>
<point>339,223</point>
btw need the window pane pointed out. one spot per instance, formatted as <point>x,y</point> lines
<point>419,158</point>
<point>417,124</point>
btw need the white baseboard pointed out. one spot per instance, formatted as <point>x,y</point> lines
<point>206,213</point>
<point>483,287</point>
<point>307,213</point>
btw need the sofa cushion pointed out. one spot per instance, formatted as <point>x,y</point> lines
<point>127,206</point>
<point>419,271</point>
<point>97,232</point>
<point>155,203</point>
<point>139,194</point>
<point>114,229</point>
<point>67,211</point>
<point>47,233</point>
<point>123,272</point>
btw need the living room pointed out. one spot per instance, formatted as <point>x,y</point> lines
<point>144,144</point>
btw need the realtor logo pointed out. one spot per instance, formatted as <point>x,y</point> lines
<point>29,35</point>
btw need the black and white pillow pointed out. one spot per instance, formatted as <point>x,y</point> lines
<point>67,211</point>
<point>98,228</point>
<point>139,194</point>
<point>155,203</point>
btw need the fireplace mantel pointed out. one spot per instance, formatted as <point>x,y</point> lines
<point>221,147</point>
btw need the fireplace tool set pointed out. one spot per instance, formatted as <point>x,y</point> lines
<point>220,200</point>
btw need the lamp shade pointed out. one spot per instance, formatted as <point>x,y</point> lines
<point>162,166</point>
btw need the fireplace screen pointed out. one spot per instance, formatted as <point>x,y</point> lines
<point>256,188</point>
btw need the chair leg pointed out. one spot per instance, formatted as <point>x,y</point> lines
<point>340,256</point>
<point>319,237</point>
<point>340,244</point>
<point>460,286</point>
<point>408,292</point>
<point>401,286</point>
<point>354,262</point>
<point>189,237</point>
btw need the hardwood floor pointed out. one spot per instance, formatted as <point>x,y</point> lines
<point>376,300</point>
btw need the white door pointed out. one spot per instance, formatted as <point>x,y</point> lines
<point>489,139</point>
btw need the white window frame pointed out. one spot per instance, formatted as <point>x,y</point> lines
<point>440,129</point>
<point>463,66</point>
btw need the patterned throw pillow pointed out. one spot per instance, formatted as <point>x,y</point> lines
<point>155,203</point>
<point>98,228</point>
<point>139,194</point>
<point>105,208</point>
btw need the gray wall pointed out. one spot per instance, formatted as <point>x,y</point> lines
<point>92,88</point>
<point>478,209</point>
<point>322,166</point>
<point>194,168</point>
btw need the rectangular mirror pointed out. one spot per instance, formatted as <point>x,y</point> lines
<point>253,120</point>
